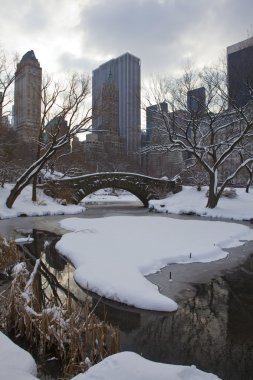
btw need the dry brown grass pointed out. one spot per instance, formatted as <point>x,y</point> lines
<point>72,333</point>
<point>9,255</point>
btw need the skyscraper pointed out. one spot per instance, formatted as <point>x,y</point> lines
<point>196,101</point>
<point>125,72</point>
<point>27,97</point>
<point>154,118</point>
<point>239,71</point>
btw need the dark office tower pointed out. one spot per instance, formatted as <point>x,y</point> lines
<point>125,72</point>
<point>196,101</point>
<point>1,109</point>
<point>153,118</point>
<point>27,97</point>
<point>240,72</point>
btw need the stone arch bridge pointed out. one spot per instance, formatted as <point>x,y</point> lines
<point>73,190</point>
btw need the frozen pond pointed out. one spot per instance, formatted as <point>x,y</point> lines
<point>213,325</point>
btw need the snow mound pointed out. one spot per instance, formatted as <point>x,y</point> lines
<point>113,254</point>
<point>128,365</point>
<point>15,363</point>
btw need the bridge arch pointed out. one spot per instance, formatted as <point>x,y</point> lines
<point>143,187</point>
<point>78,196</point>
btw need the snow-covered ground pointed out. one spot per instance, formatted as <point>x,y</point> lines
<point>189,200</point>
<point>17,364</point>
<point>24,206</point>
<point>47,206</point>
<point>113,254</point>
<point>130,366</point>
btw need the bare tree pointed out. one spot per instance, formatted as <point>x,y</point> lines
<point>194,174</point>
<point>204,128</point>
<point>59,102</point>
<point>245,153</point>
<point>7,77</point>
<point>249,169</point>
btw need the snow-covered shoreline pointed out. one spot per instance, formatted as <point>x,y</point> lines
<point>193,202</point>
<point>24,206</point>
<point>188,201</point>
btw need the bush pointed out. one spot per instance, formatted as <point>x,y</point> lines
<point>228,193</point>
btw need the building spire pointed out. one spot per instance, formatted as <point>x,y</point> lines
<point>29,55</point>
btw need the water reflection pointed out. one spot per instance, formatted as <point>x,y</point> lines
<point>212,329</point>
<point>57,271</point>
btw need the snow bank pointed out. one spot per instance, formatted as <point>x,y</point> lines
<point>112,255</point>
<point>15,363</point>
<point>189,200</point>
<point>24,206</point>
<point>128,365</point>
<point>18,364</point>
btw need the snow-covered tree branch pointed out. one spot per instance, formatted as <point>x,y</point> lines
<point>204,127</point>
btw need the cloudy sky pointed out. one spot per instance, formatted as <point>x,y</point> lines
<point>69,35</point>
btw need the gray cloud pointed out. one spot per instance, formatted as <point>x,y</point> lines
<point>69,62</point>
<point>36,18</point>
<point>81,34</point>
<point>21,20</point>
<point>165,33</point>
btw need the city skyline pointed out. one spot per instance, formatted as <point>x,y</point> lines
<point>165,35</point>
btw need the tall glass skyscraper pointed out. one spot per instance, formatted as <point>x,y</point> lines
<point>125,72</point>
<point>240,72</point>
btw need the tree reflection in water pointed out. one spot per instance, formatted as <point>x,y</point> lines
<point>212,330</point>
<point>71,333</point>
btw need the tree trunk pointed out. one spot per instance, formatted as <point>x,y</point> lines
<point>13,196</point>
<point>21,184</point>
<point>34,189</point>
<point>249,181</point>
<point>212,201</point>
<point>213,196</point>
